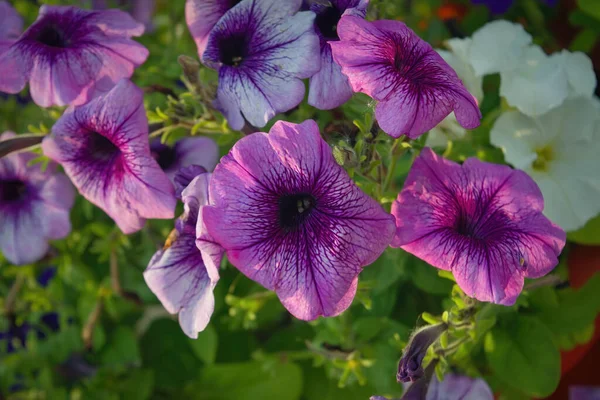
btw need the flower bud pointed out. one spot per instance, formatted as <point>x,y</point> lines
<point>409,367</point>
<point>190,68</point>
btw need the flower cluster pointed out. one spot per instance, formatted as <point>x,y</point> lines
<point>280,206</point>
<point>552,124</point>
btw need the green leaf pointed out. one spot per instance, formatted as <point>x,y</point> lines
<point>248,381</point>
<point>568,311</point>
<point>205,347</point>
<point>589,234</point>
<point>591,7</point>
<point>122,348</point>
<point>426,277</point>
<point>318,386</point>
<point>522,351</point>
<point>167,352</point>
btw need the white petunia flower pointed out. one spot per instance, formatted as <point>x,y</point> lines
<point>559,150</point>
<point>542,82</point>
<point>497,47</point>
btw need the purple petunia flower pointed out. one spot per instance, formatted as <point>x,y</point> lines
<point>584,392</point>
<point>291,219</point>
<point>103,147</point>
<point>140,10</point>
<point>68,55</point>
<point>11,25</point>
<point>262,49</point>
<point>481,221</point>
<point>34,207</point>
<point>185,176</point>
<point>329,88</point>
<point>177,274</point>
<point>416,89</point>
<point>200,151</point>
<point>202,15</point>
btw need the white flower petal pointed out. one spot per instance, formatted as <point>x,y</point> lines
<point>465,72</point>
<point>580,72</point>
<point>538,85</point>
<point>498,47</point>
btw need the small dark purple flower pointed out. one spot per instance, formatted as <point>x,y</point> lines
<point>262,50</point>
<point>185,176</point>
<point>46,276</point>
<point>178,274</point>
<point>202,15</point>
<point>502,6</point>
<point>11,25</point>
<point>103,147</point>
<point>201,151</point>
<point>34,207</point>
<point>409,367</point>
<point>415,88</point>
<point>329,88</point>
<point>68,55</point>
<point>481,221</point>
<point>291,219</point>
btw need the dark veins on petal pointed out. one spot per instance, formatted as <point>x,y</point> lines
<point>12,190</point>
<point>53,36</point>
<point>327,20</point>
<point>102,149</point>
<point>233,49</point>
<point>294,209</point>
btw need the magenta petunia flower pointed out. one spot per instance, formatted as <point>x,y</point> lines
<point>329,88</point>
<point>291,219</point>
<point>34,207</point>
<point>68,55</point>
<point>481,221</point>
<point>415,88</point>
<point>177,274</point>
<point>262,50</point>
<point>202,15</point>
<point>11,25</point>
<point>189,151</point>
<point>103,147</point>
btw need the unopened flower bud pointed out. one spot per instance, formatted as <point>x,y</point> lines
<point>409,367</point>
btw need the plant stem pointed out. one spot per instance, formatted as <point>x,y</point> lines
<point>9,304</point>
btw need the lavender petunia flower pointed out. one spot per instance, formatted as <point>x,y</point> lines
<point>415,87</point>
<point>584,392</point>
<point>291,219</point>
<point>202,15</point>
<point>201,151</point>
<point>34,207</point>
<point>481,221</point>
<point>329,88</point>
<point>140,10</point>
<point>103,147</point>
<point>185,176</point>
<point>410,366</point>
<point>68,55</point>
<point>11,25</point>
<point>262,49</point>
<point>453,387</point>
<point>177,274</point>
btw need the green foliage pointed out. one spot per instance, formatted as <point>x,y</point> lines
<point>522,353</point>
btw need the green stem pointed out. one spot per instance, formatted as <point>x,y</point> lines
<point>392,168</point>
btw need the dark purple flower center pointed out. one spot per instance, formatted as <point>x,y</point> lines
<point>233,49</point>
<point>327,21</point>
<point>486,222</point>
<point>165,157</point>
<point>12,190</point>
<point>294,209</point>
<point>102,148</point>
<point>53,36</point>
